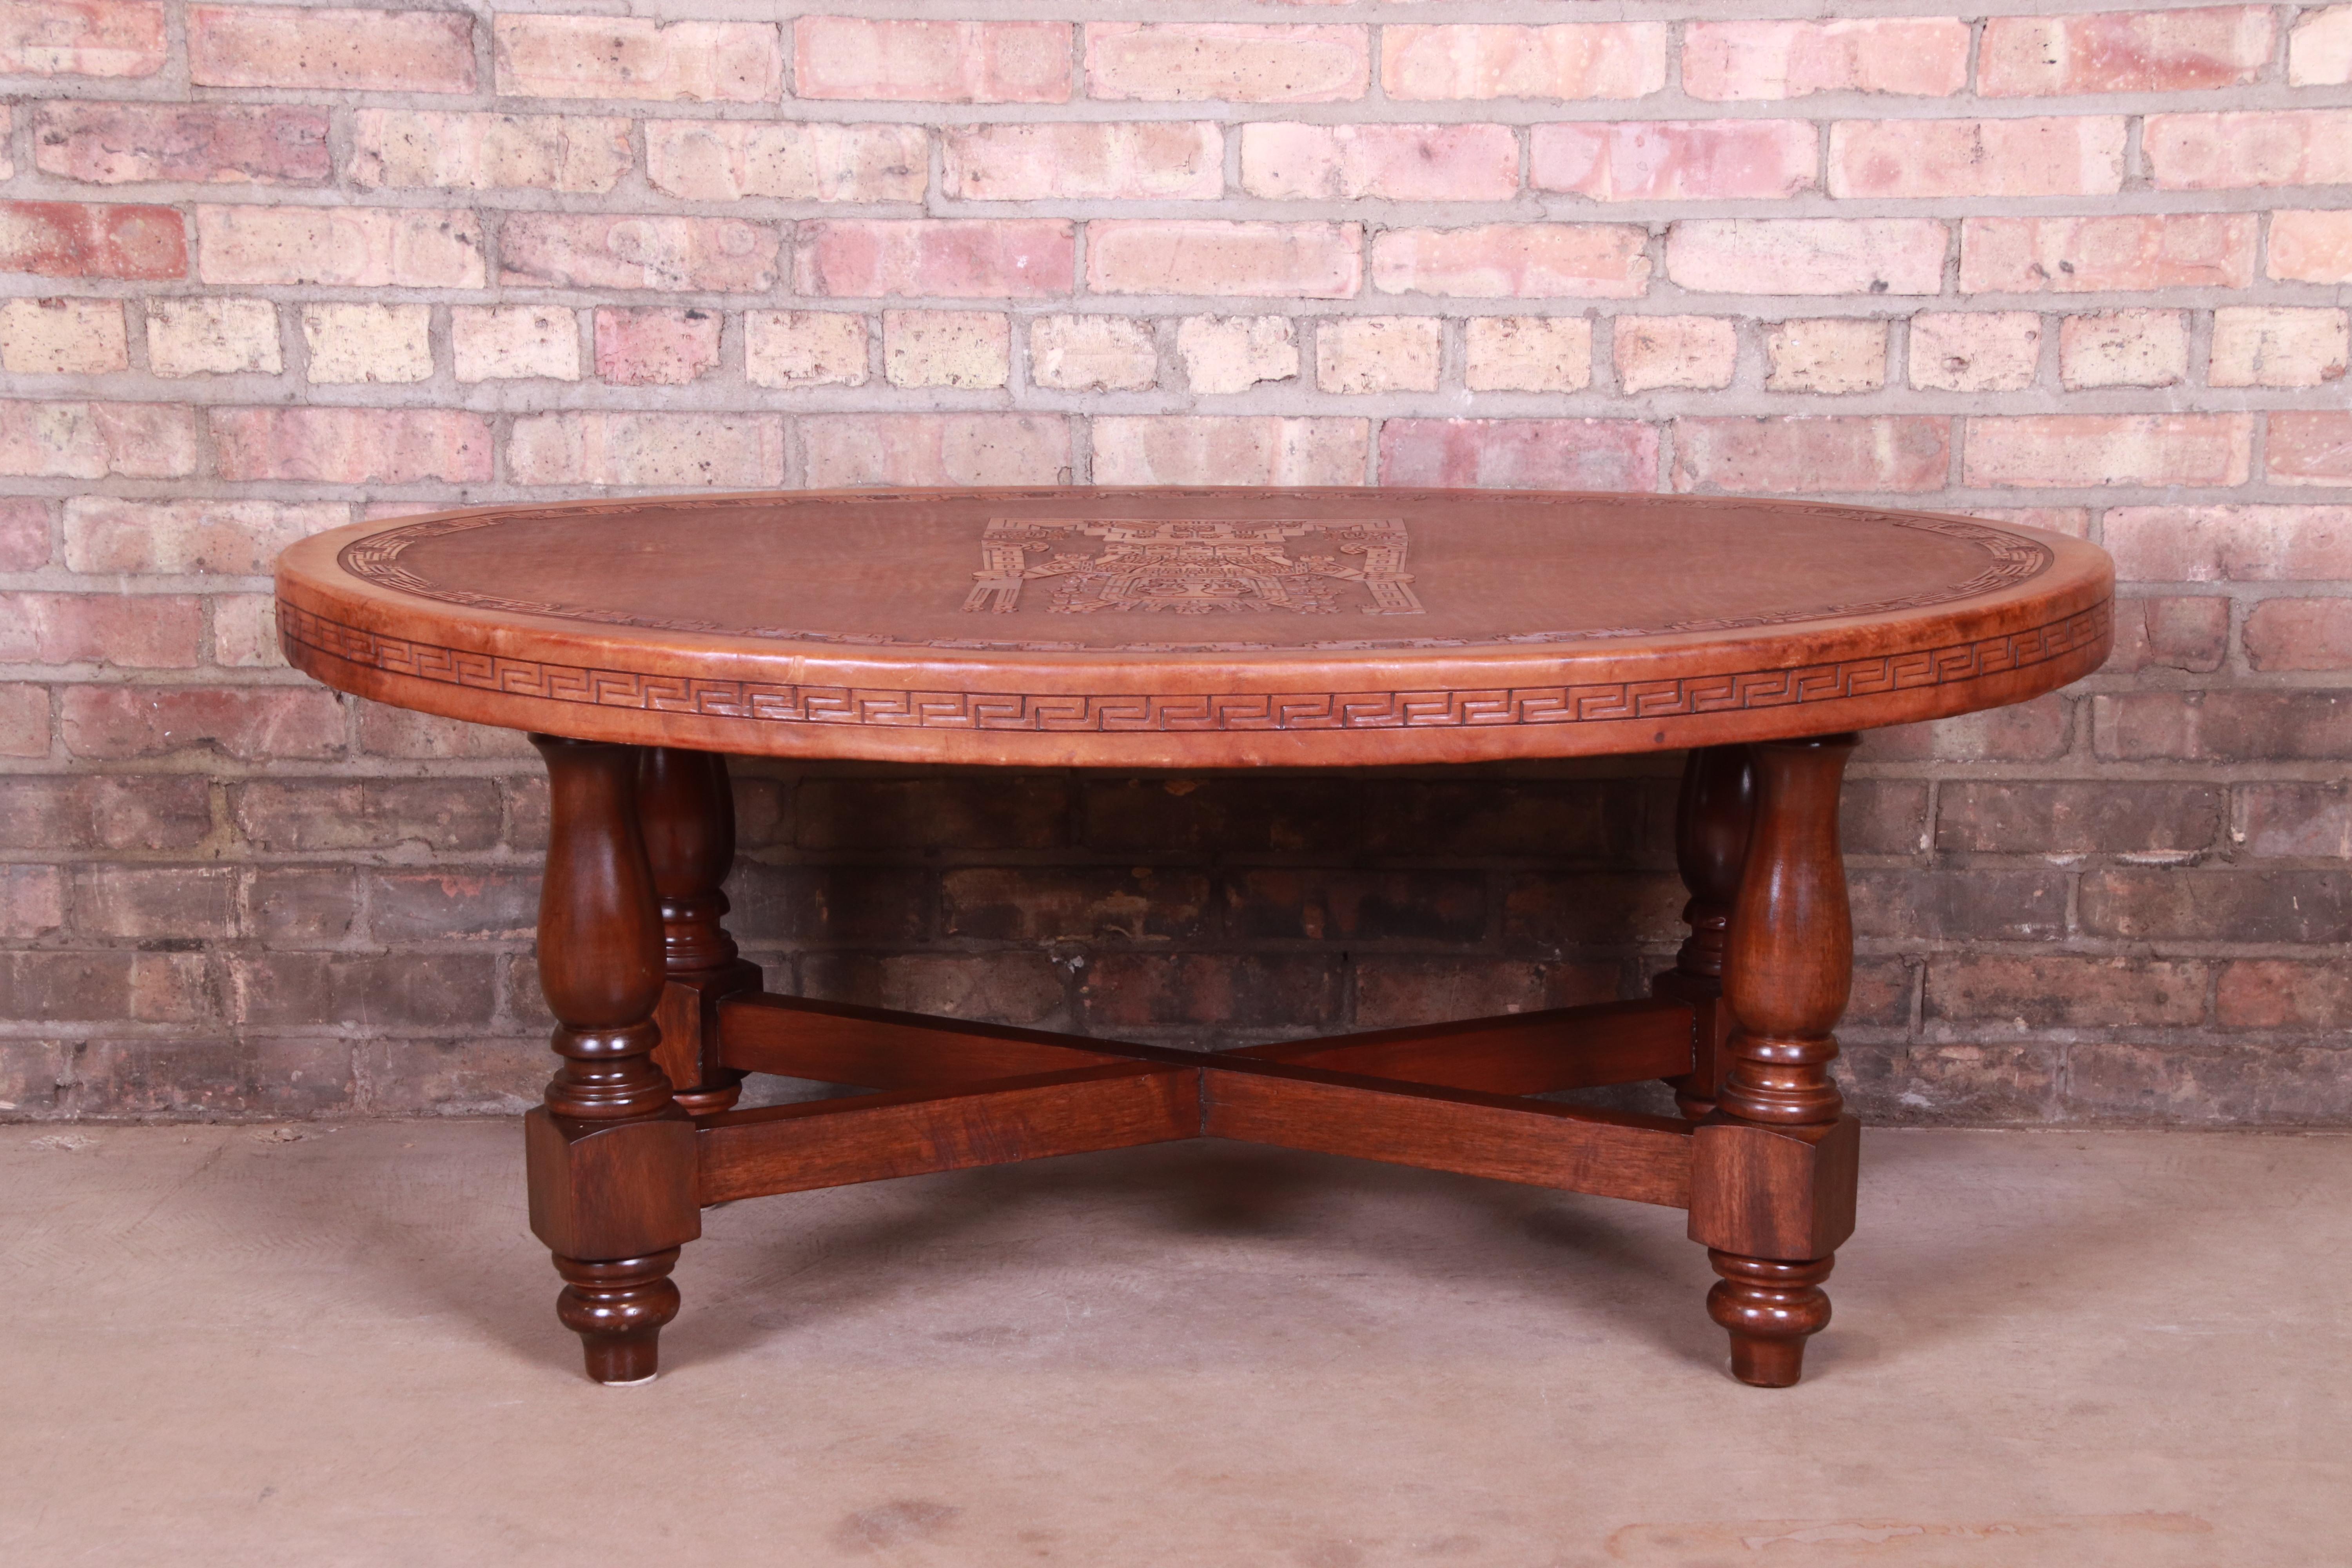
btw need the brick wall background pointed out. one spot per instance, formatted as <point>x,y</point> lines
<point>268,269</point>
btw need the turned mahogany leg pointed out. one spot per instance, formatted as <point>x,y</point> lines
<point>612,1156</point>
<point>1711,826</point>
<point>1773,1180</point>
<point>687,816</point>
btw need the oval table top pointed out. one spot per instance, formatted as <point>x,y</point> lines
<point>1195,627</point>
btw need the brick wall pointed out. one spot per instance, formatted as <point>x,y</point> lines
<point>268,269</point>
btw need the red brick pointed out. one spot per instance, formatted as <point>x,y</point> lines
<point>1515,261</point>
<point>24,719</point>
<point>2077,451</point>
<point>2251,1084</point>
<point>351,248</point>
<point>1291,162</point>
<point>1521,454</point>
<point>661,451</point>
<point>967,259</point>
<point>1908,453</point>
<point>2037,731</point>
<point>2124,348</point>
<point>305,47</point>
<point>2158,903</point>
<point>2123,252</point>
<point>2309,449</point>
<point>1317,261</point>
<point>1220,989</point>
<point>2296,821</point>
<point>105,987</point>
<point>249,723</point>
<point>1571,60</point>
<point>1982,903</point>
<point>152,631</point>
<point>115,144</point>
<point>2299,634</point>
<point>728,160</point>
<point>1238,62</point>
<point>2126,51</point>
<point>454,905</point>
<point>1808,255</point>
<point>351,445</point>
<point>1589,909</point>
<point>1154,160</point>
<point>777,904</point>
<point>997,988</point>
<point>2272,993</point>
<point>1913,56</point>
<point>905,60</point>
<point>131,902</point>
<point>2076,156</point>
<point>2273,147</point>
<point>932,811</point>
<point>2190,634</point>
<point>403,732</point>
<point>92,440</point>
<point>2231,543</point>
<point>24,535</point>
<point>656,347</point>
<point>1675,160</point>
<point>70,239</point>
<point>82,37</point>
<point>606,57</point>
<point>362,991</point>
<point>32,902</point>
<point>936,449</point>
<point>1395,992</point>
<point>1182,449</point>
<point>2303,724</point>
<point>235,537</point>
<point>2064,993</point>
<point>2110,817</point>
<point>996,903</point>
<point>672,255</point>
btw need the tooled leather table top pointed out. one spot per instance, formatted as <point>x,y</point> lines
<point>1192,627</point>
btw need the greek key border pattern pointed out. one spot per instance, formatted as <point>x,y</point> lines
<point>1176,712</point>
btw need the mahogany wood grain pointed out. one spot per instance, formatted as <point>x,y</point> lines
<point>1519,1053</point>
<point>872,1047</point>
<point>908,1132</point>
<point>687,815</point>
<point>1192,628</point>
<point>1712,821</point>
<point>1189,628</point>
<point>611,1154</point>
<point>1773,1176</point>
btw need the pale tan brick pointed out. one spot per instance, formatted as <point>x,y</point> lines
<point>2124,348</point>
<point>415,148</point>
<point>2319,49</point>
<point>805,347</point>
<point>728,160</point>
<point>1151,449</point>
<point>2271,147</point>
<point>632,57</point>
<point>244,631</point>
<point>1921,56</point>
<point>1178,256</point>
<point>1567,61</point>
<point>330,47</point>
<point>1514,261</point>
<point>936,449</point>
<point>1975,351</point>
<point>1233,353</point>
<point>911,60</point>
<point>1528,354</point>
<point>1154,160</point>
<point>82,37</point>
<point>2277,345</point>
<point>2311,246</point>
<point>2081,451</point>
<point>1829,355</point>
<point>1290,161</point>
<point>368,343</point>
<point>1240,62</point>
<point>1656,353</point>
<point>735,452</point>
<point>2075,155</point>
<point>514,341</point>
<point>670,254</point>
<point>1378,353</point>
<point>1092,354</point>
<point>212,337</point>
<point>2126,51</point>
<point>964,349</point>
<point>1807,256</point>
<point>63,337</point>
<point>229,538</point>
<point>351,248</point>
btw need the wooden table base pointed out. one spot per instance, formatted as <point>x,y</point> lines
<point>661,1020</point>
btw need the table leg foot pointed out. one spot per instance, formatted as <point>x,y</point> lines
<point>1770,1310</point>
<point>618,1308</point>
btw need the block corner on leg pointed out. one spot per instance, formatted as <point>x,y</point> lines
<point>612,1189</point>
<point>1766,1192</point>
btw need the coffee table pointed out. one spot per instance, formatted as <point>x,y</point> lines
<point>643,640</point>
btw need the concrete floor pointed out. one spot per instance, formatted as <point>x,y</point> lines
<point>298,1345</point>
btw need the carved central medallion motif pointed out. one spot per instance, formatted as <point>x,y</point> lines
<point>1196,566</point>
